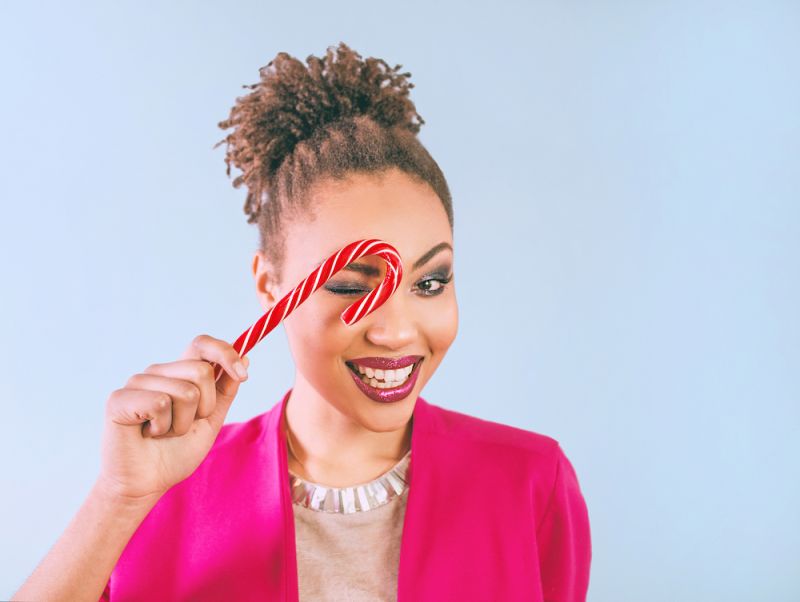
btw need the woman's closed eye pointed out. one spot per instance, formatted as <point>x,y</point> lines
<point>429,287</point>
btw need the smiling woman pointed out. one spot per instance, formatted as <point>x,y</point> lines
<point>342,435</point>
<point>352,486</point>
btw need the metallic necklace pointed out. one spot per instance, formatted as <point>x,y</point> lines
<point>346,500</point>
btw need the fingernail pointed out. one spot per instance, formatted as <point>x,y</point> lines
<point>240,370</point>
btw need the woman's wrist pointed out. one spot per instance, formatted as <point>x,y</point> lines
<point>79,564</point>
<point>106,492</point>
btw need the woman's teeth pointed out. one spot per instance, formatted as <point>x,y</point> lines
<point>384,379</point>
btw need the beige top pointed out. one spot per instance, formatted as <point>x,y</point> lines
<point>348,539</point>
<point>351,557</point>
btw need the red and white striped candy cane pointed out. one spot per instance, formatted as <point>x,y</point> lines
<point>354,312</point>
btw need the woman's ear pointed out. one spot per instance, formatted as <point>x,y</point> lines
<point>266,285</point>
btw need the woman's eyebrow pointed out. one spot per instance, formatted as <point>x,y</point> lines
<point>431,254</point>
<point>369,270</point>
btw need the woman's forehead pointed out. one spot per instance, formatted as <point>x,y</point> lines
<point>408,216</point>
<point>372,265</point>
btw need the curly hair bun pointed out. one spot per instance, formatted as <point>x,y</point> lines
<point>293,101</point>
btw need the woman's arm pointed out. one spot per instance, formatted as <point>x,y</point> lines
<point>158,429</point>
<point>78,566</point>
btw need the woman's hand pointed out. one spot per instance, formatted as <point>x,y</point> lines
<point>161,425</point>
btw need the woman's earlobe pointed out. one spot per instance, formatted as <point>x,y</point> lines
<point>267,292</point>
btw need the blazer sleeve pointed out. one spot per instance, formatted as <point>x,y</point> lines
<point>564,538</point>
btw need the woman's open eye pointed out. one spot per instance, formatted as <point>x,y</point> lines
<point>437,290</point>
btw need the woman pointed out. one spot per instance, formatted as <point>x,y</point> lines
<point>352,486</point>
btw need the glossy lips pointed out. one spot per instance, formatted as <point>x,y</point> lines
<point>395,393</point>
<point>386,363</point>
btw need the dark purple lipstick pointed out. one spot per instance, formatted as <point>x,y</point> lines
<point>385,363</point>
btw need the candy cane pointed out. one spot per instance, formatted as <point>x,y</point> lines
<point>354,312</point>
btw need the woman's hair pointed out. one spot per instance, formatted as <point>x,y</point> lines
<point>301,124</point>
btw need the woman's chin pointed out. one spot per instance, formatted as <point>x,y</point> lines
<point>382,418</point>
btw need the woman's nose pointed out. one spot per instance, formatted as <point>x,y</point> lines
<point>393,324</point>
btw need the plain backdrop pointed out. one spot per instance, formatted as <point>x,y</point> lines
<point>626,182</point>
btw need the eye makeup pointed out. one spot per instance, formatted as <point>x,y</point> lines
<point>442,274</point>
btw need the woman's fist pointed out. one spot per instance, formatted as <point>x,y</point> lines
<point>161,425</point>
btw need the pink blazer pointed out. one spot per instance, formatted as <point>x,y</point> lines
<point>494,512</point>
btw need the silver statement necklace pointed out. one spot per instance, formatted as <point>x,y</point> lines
<point>346,500</point>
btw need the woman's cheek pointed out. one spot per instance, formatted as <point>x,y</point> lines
<point>319,329</point>
<point>444,326</point>
<point>314,315</point>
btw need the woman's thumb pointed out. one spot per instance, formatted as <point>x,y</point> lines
<point>227,388</point>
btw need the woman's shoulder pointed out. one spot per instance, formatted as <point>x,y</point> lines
<point>234,434</point>
<point>236,443</point>
<point>467,429</point>
<point>238,452</point>
<point>497,454</point>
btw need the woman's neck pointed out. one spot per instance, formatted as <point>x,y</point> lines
<point>331,449</point>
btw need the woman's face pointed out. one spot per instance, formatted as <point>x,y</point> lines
<point>419,319</point>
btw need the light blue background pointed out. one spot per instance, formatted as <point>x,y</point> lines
<point>626,180</point>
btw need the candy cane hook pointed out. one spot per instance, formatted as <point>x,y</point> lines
<point>354,312</point>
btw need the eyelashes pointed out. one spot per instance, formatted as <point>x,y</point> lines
<point>438,291</point>
<point>426,292</point>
